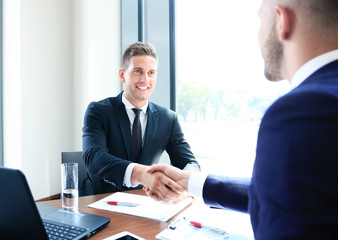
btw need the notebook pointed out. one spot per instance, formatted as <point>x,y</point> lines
<point>22,218</point>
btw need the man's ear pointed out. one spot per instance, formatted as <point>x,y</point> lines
<point>121,74</point>
<point>283,22</point>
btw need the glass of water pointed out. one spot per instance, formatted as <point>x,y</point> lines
<point>69,186</point>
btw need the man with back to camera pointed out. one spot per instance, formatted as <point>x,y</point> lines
<point>293,193</point>
<point>112,161</point>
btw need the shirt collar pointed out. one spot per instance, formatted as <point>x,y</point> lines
<point>311,66</point>
<point>130,106</point>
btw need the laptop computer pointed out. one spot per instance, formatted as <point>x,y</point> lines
<point>22,218</point>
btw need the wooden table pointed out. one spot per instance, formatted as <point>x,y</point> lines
<point>143,227</point>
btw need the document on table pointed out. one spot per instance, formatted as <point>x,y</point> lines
<point>146,206</point>
<point>182,229</point>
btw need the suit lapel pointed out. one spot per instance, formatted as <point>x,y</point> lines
<point>151,129</point>
<point>124,124</point>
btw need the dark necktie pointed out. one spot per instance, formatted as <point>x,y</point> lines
<point>136,135</point>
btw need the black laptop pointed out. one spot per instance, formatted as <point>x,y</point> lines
<point>22,218</point>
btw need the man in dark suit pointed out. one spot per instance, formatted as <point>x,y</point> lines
<point>112,161</point>
<point>293,192</point>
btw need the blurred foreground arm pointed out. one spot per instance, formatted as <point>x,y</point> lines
<point>217,191</point>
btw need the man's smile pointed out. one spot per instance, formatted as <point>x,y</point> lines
<point>142,88</point>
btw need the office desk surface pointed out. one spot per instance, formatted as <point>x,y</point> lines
<point>231,221</point>
<point>143,227</point>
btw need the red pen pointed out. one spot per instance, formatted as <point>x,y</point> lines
<point>124,204</point>
<point>200,225</point>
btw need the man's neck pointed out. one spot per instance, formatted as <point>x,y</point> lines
<point>138,105</point>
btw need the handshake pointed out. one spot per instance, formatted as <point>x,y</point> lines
<point>163,182</point>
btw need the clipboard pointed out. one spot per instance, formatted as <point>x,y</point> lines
<point>182,229</point>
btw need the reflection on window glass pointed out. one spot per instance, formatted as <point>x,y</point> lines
<point>222,92</point>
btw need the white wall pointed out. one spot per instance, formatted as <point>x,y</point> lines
<point>58,56</point>
<point>97,55</point>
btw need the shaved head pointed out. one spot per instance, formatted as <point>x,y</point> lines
<point>291,31</point>
<point>324,11</point>
<point>317,14</point>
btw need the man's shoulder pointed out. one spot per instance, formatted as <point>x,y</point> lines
<point>311,93</point>
<point>107,102</point>
<point>308,101</point>
<point>105,107</point>
<point>153,107</point>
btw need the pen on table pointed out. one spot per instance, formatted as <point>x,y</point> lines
<point>200,225</point>
<point>124,204</point>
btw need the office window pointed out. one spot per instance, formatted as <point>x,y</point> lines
<point>221,89</point>
<point>211,73</point>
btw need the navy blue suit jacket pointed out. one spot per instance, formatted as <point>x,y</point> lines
<point>294,187</point>
<point>107,143</point>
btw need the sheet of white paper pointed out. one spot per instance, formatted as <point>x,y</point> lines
<point>237,224</point>
<point>232,221</point>
<point>147,208</point>
<point>182,229</point>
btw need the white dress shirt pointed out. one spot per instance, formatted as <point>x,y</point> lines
<point>313,65</point>
<point>196,180</point>
<point>143,119</point>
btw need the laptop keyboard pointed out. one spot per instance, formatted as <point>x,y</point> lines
<point>62,231</point>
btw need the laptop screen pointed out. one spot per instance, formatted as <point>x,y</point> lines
<point>19,216</point>
<point>21,219</point>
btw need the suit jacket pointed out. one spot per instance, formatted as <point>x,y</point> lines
<point>107,143</point>
<point>294,187</point>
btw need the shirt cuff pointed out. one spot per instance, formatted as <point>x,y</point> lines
<point>192,167</point>
<point>196,183</point>
<point>127,176</point>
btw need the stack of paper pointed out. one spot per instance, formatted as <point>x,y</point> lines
<point>146,206</point>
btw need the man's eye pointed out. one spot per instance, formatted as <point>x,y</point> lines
<point>137,71</point>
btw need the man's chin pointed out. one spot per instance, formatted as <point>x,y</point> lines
<point>273,77</point>
<point>143,97</point>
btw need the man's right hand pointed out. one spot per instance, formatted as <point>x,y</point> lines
<point>157,184</point>
<point>176,175</point>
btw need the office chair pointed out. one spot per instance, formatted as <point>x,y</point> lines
<point>76,157</point>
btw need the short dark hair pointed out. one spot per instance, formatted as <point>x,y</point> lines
<point>138,49</point>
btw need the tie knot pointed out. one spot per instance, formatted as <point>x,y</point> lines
<point>137,112</point>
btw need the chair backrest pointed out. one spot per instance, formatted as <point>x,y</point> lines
<point>76,157</point>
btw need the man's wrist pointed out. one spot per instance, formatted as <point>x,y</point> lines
<point>127,176</point>
<point>196,183</point>
<point>138,175</point>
